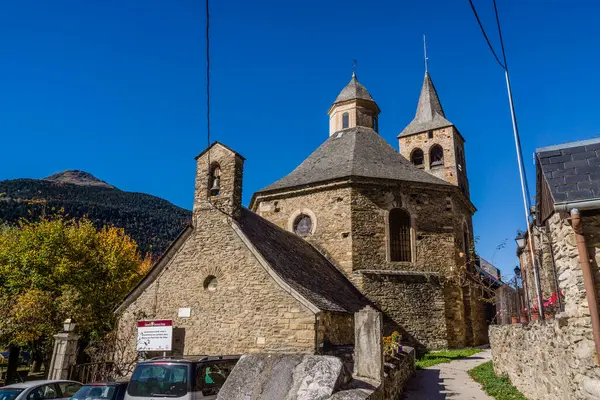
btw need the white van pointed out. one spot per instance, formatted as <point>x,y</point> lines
<point>167,378</point>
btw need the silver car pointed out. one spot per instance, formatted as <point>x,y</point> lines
<point>40,390</point>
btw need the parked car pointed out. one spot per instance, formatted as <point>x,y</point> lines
<point>185,379</point>
<point>101,391</point>
<point>40,390</point>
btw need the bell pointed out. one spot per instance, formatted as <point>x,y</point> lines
<point>216,185</point>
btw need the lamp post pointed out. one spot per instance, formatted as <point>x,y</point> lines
<point>517,271</point>
<point>68,325</point>
<point>64,355</point>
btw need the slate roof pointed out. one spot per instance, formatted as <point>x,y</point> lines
<point>359,152</point>
<point>353,90</point>
<point>430,114</point>
<point>572,170</point>
<point>301,266</point>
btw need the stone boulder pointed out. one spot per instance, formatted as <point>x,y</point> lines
<point>284,377</point>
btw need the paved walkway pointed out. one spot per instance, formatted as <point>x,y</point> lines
<point>448,381</point>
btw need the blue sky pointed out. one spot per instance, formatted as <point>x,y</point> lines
<point>116,88</point>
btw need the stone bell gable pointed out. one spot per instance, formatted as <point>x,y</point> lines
<point>235,283</point>
<point>219,172</point>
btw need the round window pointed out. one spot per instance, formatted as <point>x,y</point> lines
<point>303,225</point>
<point>210,283</point>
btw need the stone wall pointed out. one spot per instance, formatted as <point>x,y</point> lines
<point>351,229</point>
<point>453,146</point>
<point>335,329</point>
<point>419,312</point>
<point>398,374</point>
<point>546,360</point>
<point>243,310</point>
<point>566,257</point>
<point>329,207</point>
<point>247,312</point>
<point>555,359</point>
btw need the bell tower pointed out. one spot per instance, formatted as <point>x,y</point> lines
<point>433,143</point>
<point>353,107</point>
<point>218,182</point>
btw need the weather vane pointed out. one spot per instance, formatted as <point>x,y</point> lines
<point>354,68</point>
<point>425,52</point>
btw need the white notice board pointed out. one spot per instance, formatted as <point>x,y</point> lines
<point>155,335</point>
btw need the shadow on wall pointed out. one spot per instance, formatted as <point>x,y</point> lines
<point>178,342</point>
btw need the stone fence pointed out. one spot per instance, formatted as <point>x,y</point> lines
<point>552,359</point>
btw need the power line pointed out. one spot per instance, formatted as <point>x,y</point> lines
<point>522,173</point>
<point>207,74</point>
<point>484,34</point>
<point>500,35</point>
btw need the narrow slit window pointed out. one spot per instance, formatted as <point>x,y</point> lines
<point>400,243</point>
<point>345,120</point>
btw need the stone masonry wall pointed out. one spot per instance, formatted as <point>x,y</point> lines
<point>335,329</point>
<point>419,307</point>
<point>330,210</point>
<point>545,360</point>
<point>350,226</point>
<point>558,354</point>
<point>453,147</point>
<point>478,316</point>
<point>570,275</point>
<point>438,222</point>
<point>246,310</point>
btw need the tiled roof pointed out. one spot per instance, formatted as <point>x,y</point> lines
<point>353,90</point>
<point>430,114</point>
<point>572,170</point>
<point>301,266</point>
<point>358,152</point>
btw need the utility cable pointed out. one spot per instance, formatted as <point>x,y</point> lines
<point>519,151</point>
<point>485,35</point>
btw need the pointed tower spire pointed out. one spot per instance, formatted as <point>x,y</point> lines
<point>430,114</point>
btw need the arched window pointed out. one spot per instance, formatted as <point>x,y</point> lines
<point>436,156</point>
<point>345,120</point>
<point>417,157</point>
<point>399,235</point>
<point>214,179</point>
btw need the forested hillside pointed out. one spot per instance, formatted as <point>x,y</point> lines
<point>150,220</point>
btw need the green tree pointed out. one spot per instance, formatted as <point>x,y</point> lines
<point>57,268</point>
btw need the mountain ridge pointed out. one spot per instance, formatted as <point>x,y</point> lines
<point>151,221</point>
<point>77,177</point>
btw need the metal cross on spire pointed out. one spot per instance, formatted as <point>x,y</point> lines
<point>425,52</point>
<point>354,68</point>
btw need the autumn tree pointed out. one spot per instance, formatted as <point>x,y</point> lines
<point>57,268</point>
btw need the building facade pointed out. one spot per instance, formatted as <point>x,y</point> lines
<point>561,351</point>
<point>398,224</point>
<point>357,223</point>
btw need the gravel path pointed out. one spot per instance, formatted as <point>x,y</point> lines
<point>448,381</point>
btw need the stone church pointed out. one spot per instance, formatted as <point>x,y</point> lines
<point>357,223</point>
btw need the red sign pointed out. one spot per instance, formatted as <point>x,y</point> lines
<point>162,322</point>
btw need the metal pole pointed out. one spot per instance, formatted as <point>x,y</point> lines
<point>526,199</point>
